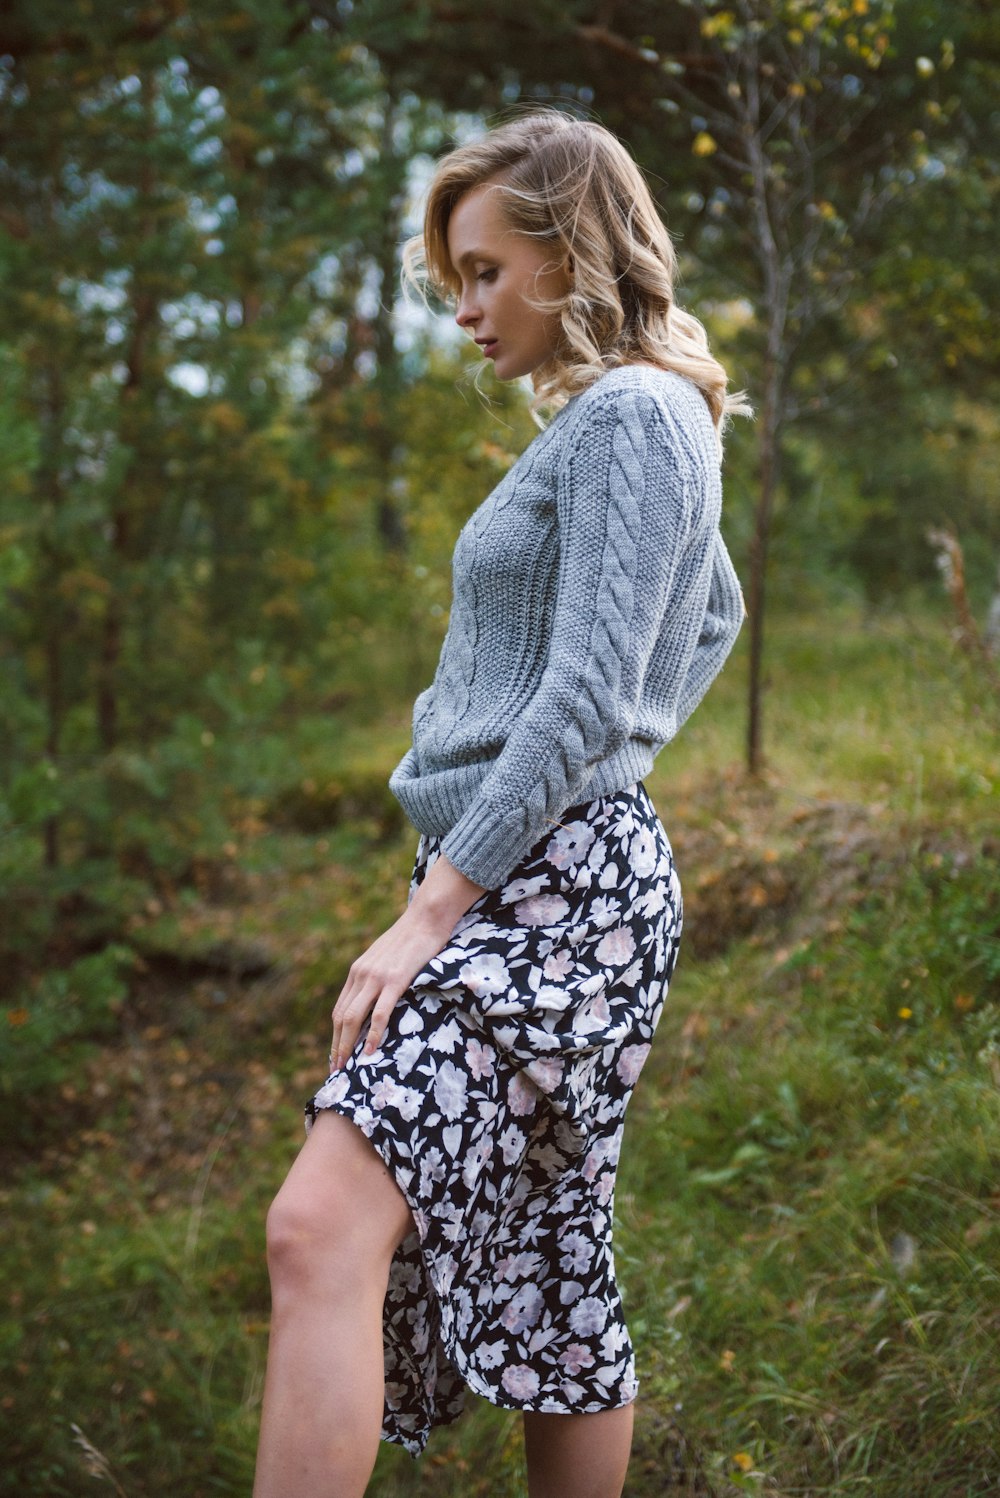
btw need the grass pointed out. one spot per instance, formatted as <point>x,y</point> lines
<point>808,1216</point>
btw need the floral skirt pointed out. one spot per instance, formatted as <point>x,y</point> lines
<point>497,1100</point>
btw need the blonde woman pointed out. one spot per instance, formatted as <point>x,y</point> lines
<point>448,1222</point>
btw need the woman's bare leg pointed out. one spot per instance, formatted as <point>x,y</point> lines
<point>332,1231</point>
<point>578,1456</point>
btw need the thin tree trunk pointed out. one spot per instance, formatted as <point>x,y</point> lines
<point>768,473</point>
<point>383,437</point>
<point>50,487</point>
<point>144,312</point>
<point>53,734</point>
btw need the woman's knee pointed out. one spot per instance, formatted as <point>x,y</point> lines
<point>337,1219</point>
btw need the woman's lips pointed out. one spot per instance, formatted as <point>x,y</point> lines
<point>489,348</point>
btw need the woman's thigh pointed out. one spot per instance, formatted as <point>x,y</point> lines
<point>338,1198</point>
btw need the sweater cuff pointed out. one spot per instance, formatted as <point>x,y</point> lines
<point>486,845</point>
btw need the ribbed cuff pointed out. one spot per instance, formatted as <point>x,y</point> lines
<point>486,845</point>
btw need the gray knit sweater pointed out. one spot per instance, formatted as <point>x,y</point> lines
<point>593,603</point>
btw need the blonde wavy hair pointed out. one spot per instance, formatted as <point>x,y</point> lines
<point>572,184</point>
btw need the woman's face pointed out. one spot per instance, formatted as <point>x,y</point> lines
<point>501,273</point>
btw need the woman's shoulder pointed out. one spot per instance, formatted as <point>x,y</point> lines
<point>666,404</point>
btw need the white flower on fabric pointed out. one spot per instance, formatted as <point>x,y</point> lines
<point>576,1357</point>
<point>605,1188</point>
<point>624,825</point>
<point>408,1103</point>
<point>616,946</point>
<point>569,844</point>
<point>522,1095</point>
<point>408,1053</point>
<point>653,900</point>
<point>612,1342</point>
<point>630,1063</point>
<point>588,1316</point>
<point>541,910</point>
<point>520,1381</point>
<point>431,1168</point>
<point>554,1000</point>
<point>475,1159</point>
<point>454,1227</point>
<point>517,1266</point>
<point>592,1164</point>
<point>450,1090</point>
<point>598,854</point>
<point>479,1058</point>
<point>609,876</point>
<point>512,1144</point>
<point>644,853</point>
<point>476,930</point>
<point>485,975</point>
<point>446,1038</point>
<point>631,975</point>
<point>558,964</point>
<point>523,1309</point>
<point>546,1072</point>
<point>569,1291</point>
<point>385,1091</point>
<point>394,1394</point>
<point>604,910</point>
<point>577,1252</point>
<point>522,889</point>
<point>333,1091</point>
<point>490,1354</point>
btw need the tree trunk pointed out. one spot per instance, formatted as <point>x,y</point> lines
<point>144,313</point>
<point>53,565</point>
<point>384,443</point>
<point>768,473</point>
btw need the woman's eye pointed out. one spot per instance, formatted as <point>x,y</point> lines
<point>487,275</point>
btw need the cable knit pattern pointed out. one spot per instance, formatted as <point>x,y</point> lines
<point>593,604</point>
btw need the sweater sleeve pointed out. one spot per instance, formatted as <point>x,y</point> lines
<point>624,513</point>
<point>724,616</point>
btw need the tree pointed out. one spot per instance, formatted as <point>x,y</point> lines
<point>797,145</point>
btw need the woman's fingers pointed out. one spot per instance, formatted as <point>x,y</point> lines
<point>384,1006</point>
<point>357,1002</point>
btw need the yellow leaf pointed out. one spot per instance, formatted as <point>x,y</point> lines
<point>703,144</point>
<point>743,1460</point>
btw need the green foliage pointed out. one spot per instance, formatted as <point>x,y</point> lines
<point>807,1231</point>
<point>48,1031</point>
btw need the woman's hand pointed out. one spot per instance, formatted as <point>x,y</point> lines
<point>381,974</point>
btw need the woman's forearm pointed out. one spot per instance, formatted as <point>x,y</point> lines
<point>444,895</point>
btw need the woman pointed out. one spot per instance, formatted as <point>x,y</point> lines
<point>448,1221</point>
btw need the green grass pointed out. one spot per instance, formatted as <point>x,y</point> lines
<point>808,1210</point>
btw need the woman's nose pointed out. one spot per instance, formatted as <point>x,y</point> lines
<point>466,313</point>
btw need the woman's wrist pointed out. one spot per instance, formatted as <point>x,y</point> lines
<point>444,895</point>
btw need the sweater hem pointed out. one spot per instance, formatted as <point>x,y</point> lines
<point>435,802</point>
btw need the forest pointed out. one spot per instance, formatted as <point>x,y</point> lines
<point>234,459</point>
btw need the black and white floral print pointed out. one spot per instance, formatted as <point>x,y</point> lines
<point>497,1100</point>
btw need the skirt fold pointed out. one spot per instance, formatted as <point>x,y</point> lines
<point>497,1100</point>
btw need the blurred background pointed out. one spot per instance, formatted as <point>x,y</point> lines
<point>233,464</point>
